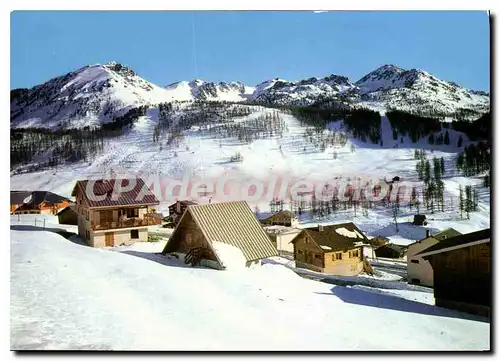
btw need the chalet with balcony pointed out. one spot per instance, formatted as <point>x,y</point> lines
<point>113,212</point>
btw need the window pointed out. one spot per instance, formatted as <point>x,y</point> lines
<point>414,261</point>
<point>300,251</point>
<point>134,234</point>
<point>415,280</point>
<point>355,253</point>
<point>87,234</point>
<point>337,256</point>
<point>317,256</point>
<point>307,240</point>
<point>350,254</point>
<point>131,212</point>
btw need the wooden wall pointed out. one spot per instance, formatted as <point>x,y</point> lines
<point>463,275</point>
<point>308,252</point>
<point>186,236</point>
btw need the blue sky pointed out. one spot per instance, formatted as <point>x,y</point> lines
<point>250,46</point>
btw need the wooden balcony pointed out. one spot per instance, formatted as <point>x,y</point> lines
<point>124,223</point>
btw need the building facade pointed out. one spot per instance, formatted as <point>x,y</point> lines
<point>114,219</point>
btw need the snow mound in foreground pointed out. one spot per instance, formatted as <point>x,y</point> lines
<point>231,257</point>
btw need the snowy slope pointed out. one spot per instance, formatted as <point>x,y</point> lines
<point>203,157</point>
<point>68,296</point>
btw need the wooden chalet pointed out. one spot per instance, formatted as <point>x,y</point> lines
<point>37,202</point>
<point>335,249</point>
<point>107,219</point>
<point>177,209</point>
<point>68,215</point>
<point>462,272</point>
<point>282,218</point>
<point>391,250</point>
<point>231,223</point>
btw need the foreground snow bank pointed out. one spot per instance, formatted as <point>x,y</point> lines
<point>69,296</point>
<point>231,257</point>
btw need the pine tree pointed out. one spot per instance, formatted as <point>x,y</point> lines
<point>461,203</point>
<point>427,171</point>
<point>460,141</point>
<point>446,138</point>
<point>442,166</point>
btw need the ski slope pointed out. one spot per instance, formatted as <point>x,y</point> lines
<point>67,296</point>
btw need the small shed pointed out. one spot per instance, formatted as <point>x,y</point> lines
<point>68,215</point>
<point>462,272</point>
<point>419,220</point>
<point>391,250</point>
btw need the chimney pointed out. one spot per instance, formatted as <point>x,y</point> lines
<point>320,228</point>
<point>427,233</point>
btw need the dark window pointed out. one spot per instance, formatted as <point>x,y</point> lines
<point>132,212</point>
<point>414,261</point>
<point>415,280</point>
<point>318,256</point>
<point>299,251</point>
<point>338,256</point>
<point>134,234</point>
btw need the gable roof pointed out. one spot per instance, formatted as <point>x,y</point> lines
<point>460,241</point>
<point>396,247</point>
<point>285,213</point>
<point>139,195</point>
<point>335,237</point>
<point>35,198</point>
<point>18,197</point>
<point>232,223</point>
<point>71,207</point>
<point>447,233</point>
<point>185,202</point>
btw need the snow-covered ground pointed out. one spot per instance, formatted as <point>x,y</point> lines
<point>65,295</point>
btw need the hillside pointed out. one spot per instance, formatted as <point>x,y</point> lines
<point>282,151</point>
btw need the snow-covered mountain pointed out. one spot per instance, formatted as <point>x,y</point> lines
<point>393,87</point>
<point>303,92</point>
<point>95,94</point>
<point>88,96</point>
<point>201,90</point>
